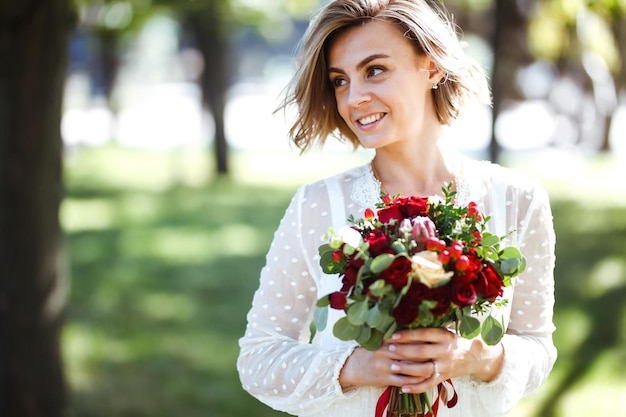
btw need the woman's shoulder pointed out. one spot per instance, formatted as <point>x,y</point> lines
<point>336,180</point>
<point>492,174</point>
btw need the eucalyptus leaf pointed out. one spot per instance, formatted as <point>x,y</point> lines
<point>375,340</point>
<point>325,248</point>
<point>469,327</point>
<point>381,262</point>
<point>320,316</point>
<point>329,266</point>
<point>357,313</point>
<point>510,252</point>
<point>364,335</point>
<point>489,240</point>
<point>343,330</point>
<point>391,330</point>
<point>510,266</point>
<point>492,331</point>
<point>377,288</point>
<point>398,247</point>
<point>324,301</point>
<point>348,250</point>
<point>375,317</point>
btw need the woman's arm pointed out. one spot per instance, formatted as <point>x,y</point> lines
<point>277,364</point>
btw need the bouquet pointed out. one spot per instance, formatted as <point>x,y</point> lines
<point>416,262</point>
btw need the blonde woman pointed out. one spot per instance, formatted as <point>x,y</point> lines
<point>388,75</point>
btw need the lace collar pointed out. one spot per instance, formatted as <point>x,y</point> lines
<point>366,190</point>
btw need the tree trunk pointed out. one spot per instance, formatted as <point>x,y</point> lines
<point>510,50</point>
<point>33,51</point>
<point>208,30</point>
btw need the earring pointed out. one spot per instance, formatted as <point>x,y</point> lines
<point>435,86</point>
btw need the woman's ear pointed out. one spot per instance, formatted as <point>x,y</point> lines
<point>435,74</point>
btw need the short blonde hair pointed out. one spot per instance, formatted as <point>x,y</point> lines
<point>425,23</point>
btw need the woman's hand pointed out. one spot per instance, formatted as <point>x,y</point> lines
<point>408,360</point>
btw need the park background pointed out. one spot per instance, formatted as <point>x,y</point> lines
<point>173,173</point>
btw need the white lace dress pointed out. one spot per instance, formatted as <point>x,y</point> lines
<point>279,366</point>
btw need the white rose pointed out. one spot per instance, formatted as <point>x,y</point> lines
<point>350,236</point>
<point>429,270</point>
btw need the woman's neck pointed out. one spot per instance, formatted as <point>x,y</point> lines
<point>420,170</point>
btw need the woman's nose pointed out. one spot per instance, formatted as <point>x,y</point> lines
<point>359,94</point>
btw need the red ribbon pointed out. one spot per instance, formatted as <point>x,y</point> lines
<point>442,394</point>
<point>383,402</point>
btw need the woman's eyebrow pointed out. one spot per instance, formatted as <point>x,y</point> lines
<point>361,64</point>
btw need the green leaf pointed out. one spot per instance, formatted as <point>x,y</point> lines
<point>325,248</point>
<point>324,301</point>
<point>489,240</point>
<point>398,247</point>
<point>343,330</point>
<point>510,252</point>
<point>375,340</point>
<point>391,330</point>
<point>381,262</point>
<point>348,250</point>
<point>320,317</point>
<point>510,266</point>
<point>375,317</point>
<point>357,313</point>
<point>469,327</point>
<point>492,331</point>
<point>377,288</point>
<point>329,266</point>
<point>364,335</point>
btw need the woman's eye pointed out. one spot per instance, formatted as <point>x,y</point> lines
<point>339,82</point>
<point>374,71</point>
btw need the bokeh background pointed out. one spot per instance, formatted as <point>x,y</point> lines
<point>176,172</point>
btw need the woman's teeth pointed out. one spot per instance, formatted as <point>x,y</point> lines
<point>370,119</point>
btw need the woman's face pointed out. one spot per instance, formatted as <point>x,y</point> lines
<point>382,86</point>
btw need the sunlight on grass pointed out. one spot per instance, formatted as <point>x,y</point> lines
<point>161,281</point>
<point>601,392</point>
<point>87,214</point>
<point>572,328</point>
<point>168,243</point>
<point>237,239</point>
<point>167,306</point>
<point>608,274</point>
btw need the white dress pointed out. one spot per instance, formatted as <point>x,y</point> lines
<point>279,366</point>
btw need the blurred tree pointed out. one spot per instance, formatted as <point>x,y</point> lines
<point>211,25</point>
<point>504,25</point>
<point>33,47</point>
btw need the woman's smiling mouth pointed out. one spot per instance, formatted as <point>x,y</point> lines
<point>368,120</point>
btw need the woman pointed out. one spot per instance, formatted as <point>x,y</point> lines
<point>388,75</point>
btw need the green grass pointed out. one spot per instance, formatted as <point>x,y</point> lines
<point>164,259</point>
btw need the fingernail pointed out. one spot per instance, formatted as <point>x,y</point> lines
<point>406,390</point>
<point>392,348</point>
<point>395,336</point>
<point>395,367</point>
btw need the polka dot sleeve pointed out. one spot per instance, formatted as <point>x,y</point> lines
<point>277,364</point>
<point>529,350</point>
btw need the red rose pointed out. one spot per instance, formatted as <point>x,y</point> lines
<point>488,282</point>
<point>463,294</point>
<point>379,242</point>
<point>414,206</point>
<point>385,214</point>
<point>397,274</point>
<point>409,308</point>
<point>404,207</point>
<point>351,273</point>
<point>442,296</point>
<point>338,300</point>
